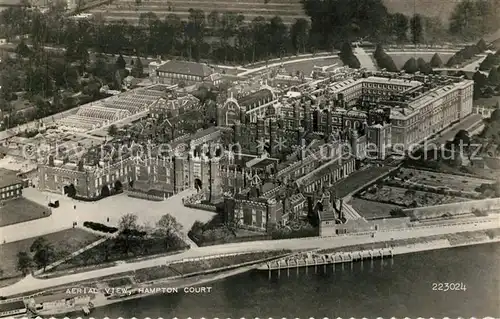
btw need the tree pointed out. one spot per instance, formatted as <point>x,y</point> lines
<point>128,228</point>
<point>417,30</point>
<point>24,262</point>
<point>120,62</point>
<point>423,66</point>
<point>436,61</point>
<point>400,26</point>
<point>482,45</point>
<point>397,212</point>
<point>490,61</point>
<point>112,130</point>
<point>384,61</point>
<point>348,57</point>
<point>411,66</point>
<point>462,138</point>
<point>128,221</point>
<point>138,69</point>
<point>168,225</point>
<point>299,33</point>
<point>23,50</point>
<point>213,19</point>
<point>464,20</point>
<point>43,252</point>
<point>494,76</point>
<point>480,79</point>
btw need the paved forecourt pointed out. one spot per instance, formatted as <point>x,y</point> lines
<point>113,207</point>
<point>30,284</point>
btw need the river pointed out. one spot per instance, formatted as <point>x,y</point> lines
<point>401,287</point>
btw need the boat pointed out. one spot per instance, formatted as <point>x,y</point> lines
<point>88,308</point>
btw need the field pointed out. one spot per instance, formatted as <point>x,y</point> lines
<point>370,209</point>
<point>64,242</point>
<point>400,58</point>
<point>21,210</point>
<point>288,10</point>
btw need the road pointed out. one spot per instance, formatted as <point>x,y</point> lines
<point>31,284</point>
<point>469,68</point>
<point>365,59</point>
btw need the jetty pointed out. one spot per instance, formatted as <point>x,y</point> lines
<point>316,258</point>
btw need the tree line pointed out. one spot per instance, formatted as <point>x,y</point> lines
<point>225,37</point>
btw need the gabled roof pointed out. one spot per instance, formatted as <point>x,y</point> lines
<point>186,67</point>
<point>251,98</point>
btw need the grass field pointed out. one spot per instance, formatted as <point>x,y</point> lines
<point>307,66</point>
<point>370,209</point>
<point>21,210</point>
<point>66,241</point>
<point>400,59</point>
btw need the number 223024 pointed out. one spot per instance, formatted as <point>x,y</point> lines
<point>449,286</point>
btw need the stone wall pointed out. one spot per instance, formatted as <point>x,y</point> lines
<point>454,208</point>
<point>362,225</point>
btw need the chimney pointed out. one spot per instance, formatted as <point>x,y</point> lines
<point>80,166</point>
<point>341,210</point>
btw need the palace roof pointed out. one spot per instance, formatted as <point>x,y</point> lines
<point>186,67</point>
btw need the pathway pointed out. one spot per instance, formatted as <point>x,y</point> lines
<point>31,284</point>
<point>276,64</point>
<point>113,207</point>
<point>365,59</point>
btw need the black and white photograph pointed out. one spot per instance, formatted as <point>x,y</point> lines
<point>246,159</point>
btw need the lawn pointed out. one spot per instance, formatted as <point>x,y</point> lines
<point>370,209</point>
<point>64,242</point>
<point>401,58</point>
<point>115,249</point>
<point>21,210</point>
<point>307,66</point>
<point>359,179</point>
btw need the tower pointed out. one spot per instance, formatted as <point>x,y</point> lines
<point>261,138</point>
<point>273,139</point>
<point>214,192</point>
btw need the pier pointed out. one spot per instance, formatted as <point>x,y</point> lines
<point>316,259</point>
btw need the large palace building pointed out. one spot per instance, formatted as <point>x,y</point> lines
<point>271,151</point>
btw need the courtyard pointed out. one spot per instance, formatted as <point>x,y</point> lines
<point>113,207</point>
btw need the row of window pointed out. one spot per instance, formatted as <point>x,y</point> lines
<point>11,187</point>
<point>179,76</point>
<point>10,194</point>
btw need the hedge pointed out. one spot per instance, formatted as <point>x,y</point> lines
<point>100,227</point>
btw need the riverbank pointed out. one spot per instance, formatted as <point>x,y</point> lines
<point>159,286</point>
<point>204,280</point>
<point>31,285</point>
<point>326,257</point>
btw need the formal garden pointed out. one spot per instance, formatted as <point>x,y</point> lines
<point>407,198</point>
